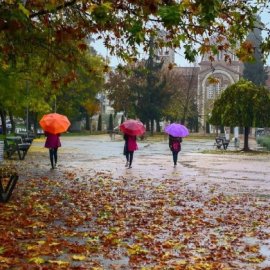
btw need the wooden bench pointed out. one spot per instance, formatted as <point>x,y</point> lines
<point>221,141</point>
<point>16,145</point>
<point>8,181</point>
<point>26,137</point>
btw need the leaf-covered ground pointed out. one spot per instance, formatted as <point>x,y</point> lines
<point>81,222</point>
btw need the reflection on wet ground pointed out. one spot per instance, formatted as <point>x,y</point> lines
<point>234,172</point>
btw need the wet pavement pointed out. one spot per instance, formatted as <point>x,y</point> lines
<point>199,168</point>
<point>87,155</point>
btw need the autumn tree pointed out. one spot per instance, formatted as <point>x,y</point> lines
<point>242,104</point>
<point>149,86</point>
<point>57,31</point>
<point>92,107</point>
<point>51,25</point>
<point>75,94</point>
<point>182,83</point>
<point>119,92</point>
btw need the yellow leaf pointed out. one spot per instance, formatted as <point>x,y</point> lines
<point>201,250</point>
<point>32,247</point>
<point>60,263</point>
<point>166,256</point>
<point>2,249</point>
<point>136,250</point>
<point>92,7</point>
<point>37,260</point>
<point>10,2</point>
<point>4,260</point>
<point>78,257</point>
<point>24,10</point>
<point>258,259</point>
<point>5,66</point>
<point>181,262</point>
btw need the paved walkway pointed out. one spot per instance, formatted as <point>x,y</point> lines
<point>91,154</point>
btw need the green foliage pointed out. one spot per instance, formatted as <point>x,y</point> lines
<point>170,15</point>
<point>264,141</point>
<point>79,87</point>
<point>53,25</point>
<point>242,104</point>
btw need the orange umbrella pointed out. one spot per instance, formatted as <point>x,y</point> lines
<point>54,123</point>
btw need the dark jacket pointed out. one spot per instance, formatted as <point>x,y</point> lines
<point>175,143</point>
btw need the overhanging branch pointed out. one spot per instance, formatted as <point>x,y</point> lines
<point>45,11</point>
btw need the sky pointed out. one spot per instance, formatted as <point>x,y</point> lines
<point>179,55</point>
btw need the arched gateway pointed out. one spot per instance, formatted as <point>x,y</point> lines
<point>213,78</point>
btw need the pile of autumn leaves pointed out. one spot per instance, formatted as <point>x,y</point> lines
<point>100,223</point>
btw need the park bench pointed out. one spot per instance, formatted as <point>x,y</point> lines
<point>8,181</point>
<point>26,137</point>
<point>16,145</point>
<point>8,177</point>
<point>221,142</point>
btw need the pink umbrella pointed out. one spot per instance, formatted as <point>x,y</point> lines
<point>132,127</point>
<point>176,130</point>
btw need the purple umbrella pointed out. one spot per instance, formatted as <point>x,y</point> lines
<point>176,130</point>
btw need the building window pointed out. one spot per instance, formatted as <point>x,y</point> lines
<point>213,91</point>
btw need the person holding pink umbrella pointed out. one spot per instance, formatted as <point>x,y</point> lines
<point>131,128</point>
<point>129,148</point>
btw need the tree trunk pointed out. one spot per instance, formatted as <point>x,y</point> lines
<point>3,119</point>
<point>90,123</point>
<point>35,123</point>
<point>246,133</point>
<point>87,122</point>
<point>158,126</point>
<point>147,125</point>
<point>122,118</point>
<point>99,123</point>
<point>152,127</point>
<point>12,122</point>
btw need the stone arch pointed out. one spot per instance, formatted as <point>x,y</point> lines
<point>232,79</point>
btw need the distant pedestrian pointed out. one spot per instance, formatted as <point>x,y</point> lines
<point>129,148</point>
<point>52,142</point>
<point>175,146</point>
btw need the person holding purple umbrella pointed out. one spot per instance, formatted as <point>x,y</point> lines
<point>176,133</point>
<point>175,146</point>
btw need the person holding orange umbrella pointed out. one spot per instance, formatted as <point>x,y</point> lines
<point>52,142</point>
<point>54,124</point>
